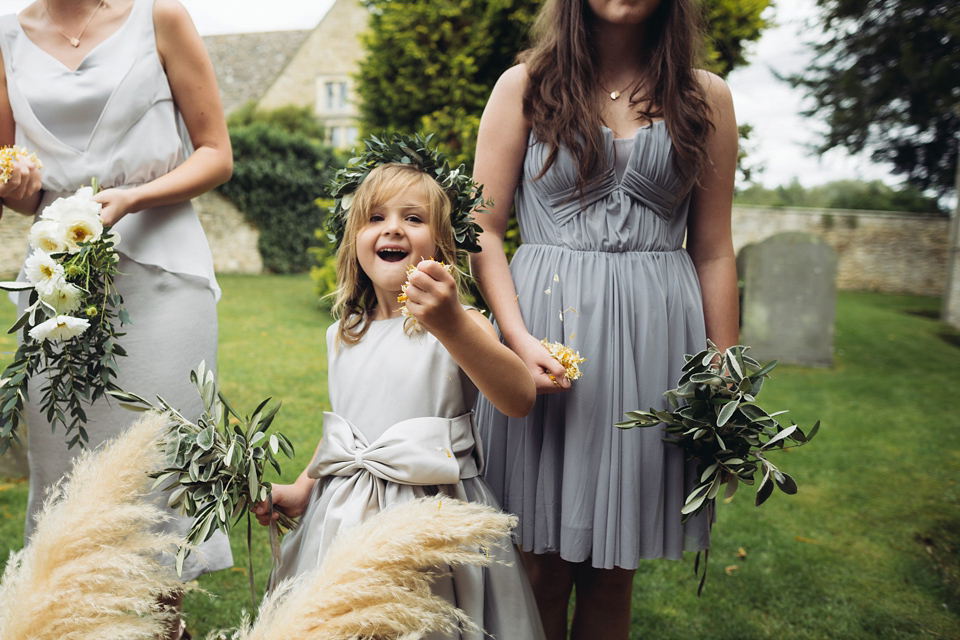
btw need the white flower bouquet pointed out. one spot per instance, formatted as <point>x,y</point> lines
<point>68,331</point>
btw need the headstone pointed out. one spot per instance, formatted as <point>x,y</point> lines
<point>789,299</point>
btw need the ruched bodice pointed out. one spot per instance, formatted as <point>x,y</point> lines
<point>607,275</point>
<point>640,211</point>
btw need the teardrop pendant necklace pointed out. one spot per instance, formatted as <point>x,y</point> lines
<point>73,40</point>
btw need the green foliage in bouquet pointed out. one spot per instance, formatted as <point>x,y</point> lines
<point>717,422</point>
<point>69,328</point>
<point>216,465</point>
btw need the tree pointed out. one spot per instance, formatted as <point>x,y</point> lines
<point>430,66</point>
<point>278,175</point>
<point>887,79</point>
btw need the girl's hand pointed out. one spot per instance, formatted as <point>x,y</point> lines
<point>116,204</point>
<point>541,365</point>
<point>432,295</point>
<point>289,498</point>
<point>24,180</point>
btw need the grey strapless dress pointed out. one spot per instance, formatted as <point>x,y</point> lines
<point>605,274</point>
<point>401,428</point>
<point>114,118</point>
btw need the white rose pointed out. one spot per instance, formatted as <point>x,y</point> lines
<point>45,236</point>
<point>65,298</point>
<point>59,328</point>
<point>80,225</point>
<point>41,268</point>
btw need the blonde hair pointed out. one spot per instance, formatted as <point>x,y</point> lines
<point>355,299</point>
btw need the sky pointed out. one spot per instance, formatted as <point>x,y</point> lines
<point>781,136</point>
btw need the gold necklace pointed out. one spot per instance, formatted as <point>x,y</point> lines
<point>74,41</point>
<point>615,94</point>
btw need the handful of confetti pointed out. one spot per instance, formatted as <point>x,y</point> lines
<point>402,298</point>
<point>566,356</point>
<point>9,155</point>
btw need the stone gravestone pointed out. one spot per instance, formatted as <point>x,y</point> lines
<point>789,299</point>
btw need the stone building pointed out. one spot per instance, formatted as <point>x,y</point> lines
<point>312,69</point>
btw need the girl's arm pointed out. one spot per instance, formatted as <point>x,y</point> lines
<point>709,237</point>
<point>292,499</point>
<point>498,372</point>
<point>501,147</point>
<point>194,86</point>
<point>21,191</point>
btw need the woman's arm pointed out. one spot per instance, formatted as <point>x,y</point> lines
<point>21,191</point>
<point>194,86</point>
<point>709,236</point>
<point>501,147</point>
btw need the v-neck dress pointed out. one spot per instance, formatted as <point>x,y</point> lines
<point>401,427</point>
<point>606,274</point>
<point>114,119</point>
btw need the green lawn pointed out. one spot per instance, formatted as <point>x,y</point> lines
<point>868,548</point>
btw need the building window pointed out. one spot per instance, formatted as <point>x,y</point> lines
<point>335,97</point>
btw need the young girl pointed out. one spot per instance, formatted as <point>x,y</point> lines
<point>619,156</point>
<point>401,390</point>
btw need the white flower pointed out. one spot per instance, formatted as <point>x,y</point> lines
<point>65,299</point>
<point>80,226</point>
<point>45,236</point>
<point>59,328</point>
<point>77,218</point>
<point>40,268</point>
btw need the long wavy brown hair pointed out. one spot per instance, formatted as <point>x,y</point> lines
<point>561,96</point>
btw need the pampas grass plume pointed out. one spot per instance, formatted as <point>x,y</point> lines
<point>375,580</point>
<point>91,569</point>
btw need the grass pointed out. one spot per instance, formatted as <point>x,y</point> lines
<point>868,548</point>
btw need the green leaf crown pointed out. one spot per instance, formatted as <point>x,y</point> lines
<point>466,196</point>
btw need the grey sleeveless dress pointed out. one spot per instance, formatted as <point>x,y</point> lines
<point>607,276</point>
<point>402,428</point>
<point>113,118</point>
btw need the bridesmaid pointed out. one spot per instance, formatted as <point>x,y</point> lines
<point>613,147</point>
<point>124,91</point>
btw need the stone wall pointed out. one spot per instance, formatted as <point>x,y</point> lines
<point>233,241</point>
<point>877,251</point>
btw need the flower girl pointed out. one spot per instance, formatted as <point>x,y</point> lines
<point>405,362</point>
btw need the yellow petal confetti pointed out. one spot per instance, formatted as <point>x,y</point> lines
<point>730,569</point>
<point>566,356</point>
<point>402,298</point>
<point>9,155</point>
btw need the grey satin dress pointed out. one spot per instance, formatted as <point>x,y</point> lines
<point>401,428</point>
<point>114,118</point>
<point>605,274</point>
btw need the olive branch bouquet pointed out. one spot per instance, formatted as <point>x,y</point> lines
<point>716,420</point>
<point>215,466</point>
<point>68,330</point>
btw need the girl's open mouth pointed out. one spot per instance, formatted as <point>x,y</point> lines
<point>392,255</point>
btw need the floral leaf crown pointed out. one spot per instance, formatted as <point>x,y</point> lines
<point>465,195</point>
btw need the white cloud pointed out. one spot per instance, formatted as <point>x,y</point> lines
<point>781,137</point>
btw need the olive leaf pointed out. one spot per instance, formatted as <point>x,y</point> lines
<point>717,422</point>
<point>215,465</point>
<point>77,371</point>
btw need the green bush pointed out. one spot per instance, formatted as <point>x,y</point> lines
<point>277,177</point>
